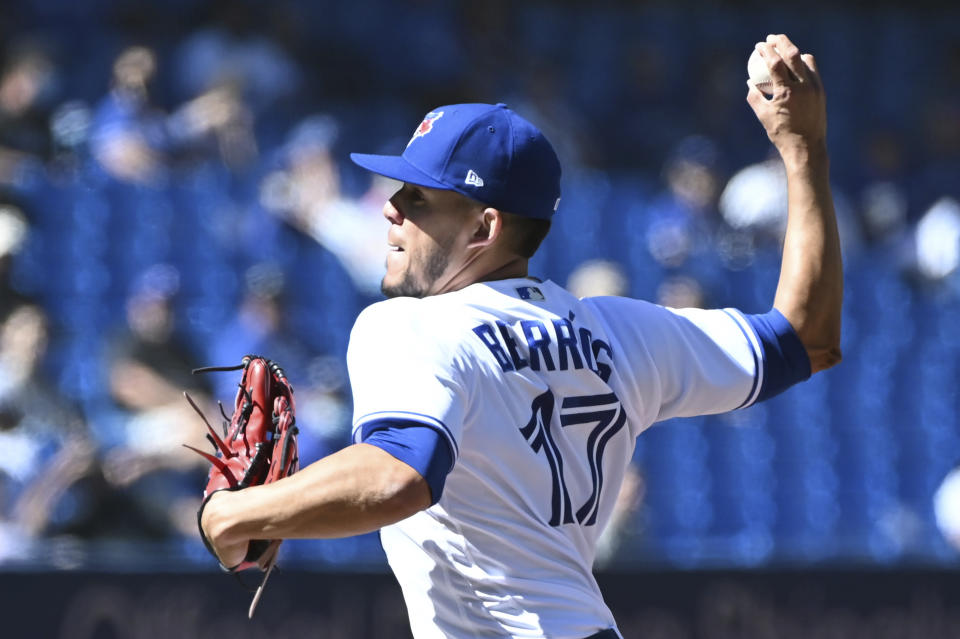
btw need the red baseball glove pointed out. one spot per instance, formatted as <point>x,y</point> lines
<point>259,446</point>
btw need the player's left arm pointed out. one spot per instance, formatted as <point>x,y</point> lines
<point>356,490</point>
<point>810,291</point>
<point>408,411</point>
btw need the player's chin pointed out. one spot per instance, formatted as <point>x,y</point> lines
<point>401,285</point>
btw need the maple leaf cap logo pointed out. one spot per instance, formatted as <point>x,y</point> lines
<point>426,126</point>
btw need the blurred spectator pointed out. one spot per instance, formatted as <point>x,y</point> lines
<point>234,51</point>
<point>47,446</point>
<point>683,218</point>
<point>884,202</point>
<point>260,327</point>
<point>70,130</point>
<point>680,291</point>
<point>755,200</point>
<point>324,410</point>
<point>149,369</point>
<point>883,208</point>
<point>27,85</point>
<point>946,508</point>
<point>13,232</point>
<point>135,141</point>
<point>306,193</point>
<point>597,278</point>
<point>219,112</point>
<point>128,137</point>
<point>685,233</point>
<point>937,239</point>
<point>754,205</point>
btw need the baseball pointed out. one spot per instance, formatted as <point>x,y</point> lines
<point>758,73</point>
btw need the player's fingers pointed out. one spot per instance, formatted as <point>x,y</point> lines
<point>779,73</point>
<point>812,72</point>
<point>755,97</point>
<point>790,54</point>
<point>809,61</point>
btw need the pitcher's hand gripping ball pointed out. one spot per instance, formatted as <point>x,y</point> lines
<point>758,73</point>
<point>259,446</point>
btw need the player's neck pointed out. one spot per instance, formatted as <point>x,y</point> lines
<point>510,270</point>
<point>477,272</point>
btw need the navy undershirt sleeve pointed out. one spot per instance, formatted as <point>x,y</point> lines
<point>417,445</point>
<point>785,360</point>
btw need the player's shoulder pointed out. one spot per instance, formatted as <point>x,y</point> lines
<point>645,313</point>
<point>401,307</point>
<point>625,308</point>
<point>389,310</point>
<point>411,317</point>
<point>406,331</point>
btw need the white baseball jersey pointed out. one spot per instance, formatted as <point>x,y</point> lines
<point>540,396</point>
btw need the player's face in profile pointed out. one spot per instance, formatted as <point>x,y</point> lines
<point>428,232</point>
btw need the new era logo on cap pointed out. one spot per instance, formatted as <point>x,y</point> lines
<point>473,179</point>
<point>483,151</point>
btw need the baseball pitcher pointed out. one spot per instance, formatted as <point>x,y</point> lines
<point>496,413</point>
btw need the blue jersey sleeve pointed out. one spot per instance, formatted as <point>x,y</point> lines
<point>785,360</point>
<point>417,445</point>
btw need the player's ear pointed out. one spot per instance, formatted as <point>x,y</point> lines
<point>488,228</point>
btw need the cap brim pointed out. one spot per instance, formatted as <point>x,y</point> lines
<point>396,167</point>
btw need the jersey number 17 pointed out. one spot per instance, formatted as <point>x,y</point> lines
<point>606,412</point>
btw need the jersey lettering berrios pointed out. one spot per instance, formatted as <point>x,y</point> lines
<point>540,397</point>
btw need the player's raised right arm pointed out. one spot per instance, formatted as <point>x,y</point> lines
<point>810,291</point>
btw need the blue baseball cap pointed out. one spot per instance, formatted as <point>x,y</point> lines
<point>484,151</point>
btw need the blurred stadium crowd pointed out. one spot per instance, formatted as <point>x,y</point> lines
<point>174,193</point>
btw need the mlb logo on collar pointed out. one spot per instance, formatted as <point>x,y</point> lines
<point>426,126</point>
<point>531,293</point>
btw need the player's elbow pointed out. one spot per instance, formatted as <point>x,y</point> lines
<point>828,354</point>
<point>397,491</point>
<point>821,339</point>
<point>402,499</point>
<point>817,324</point>
<point>824,357</point>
